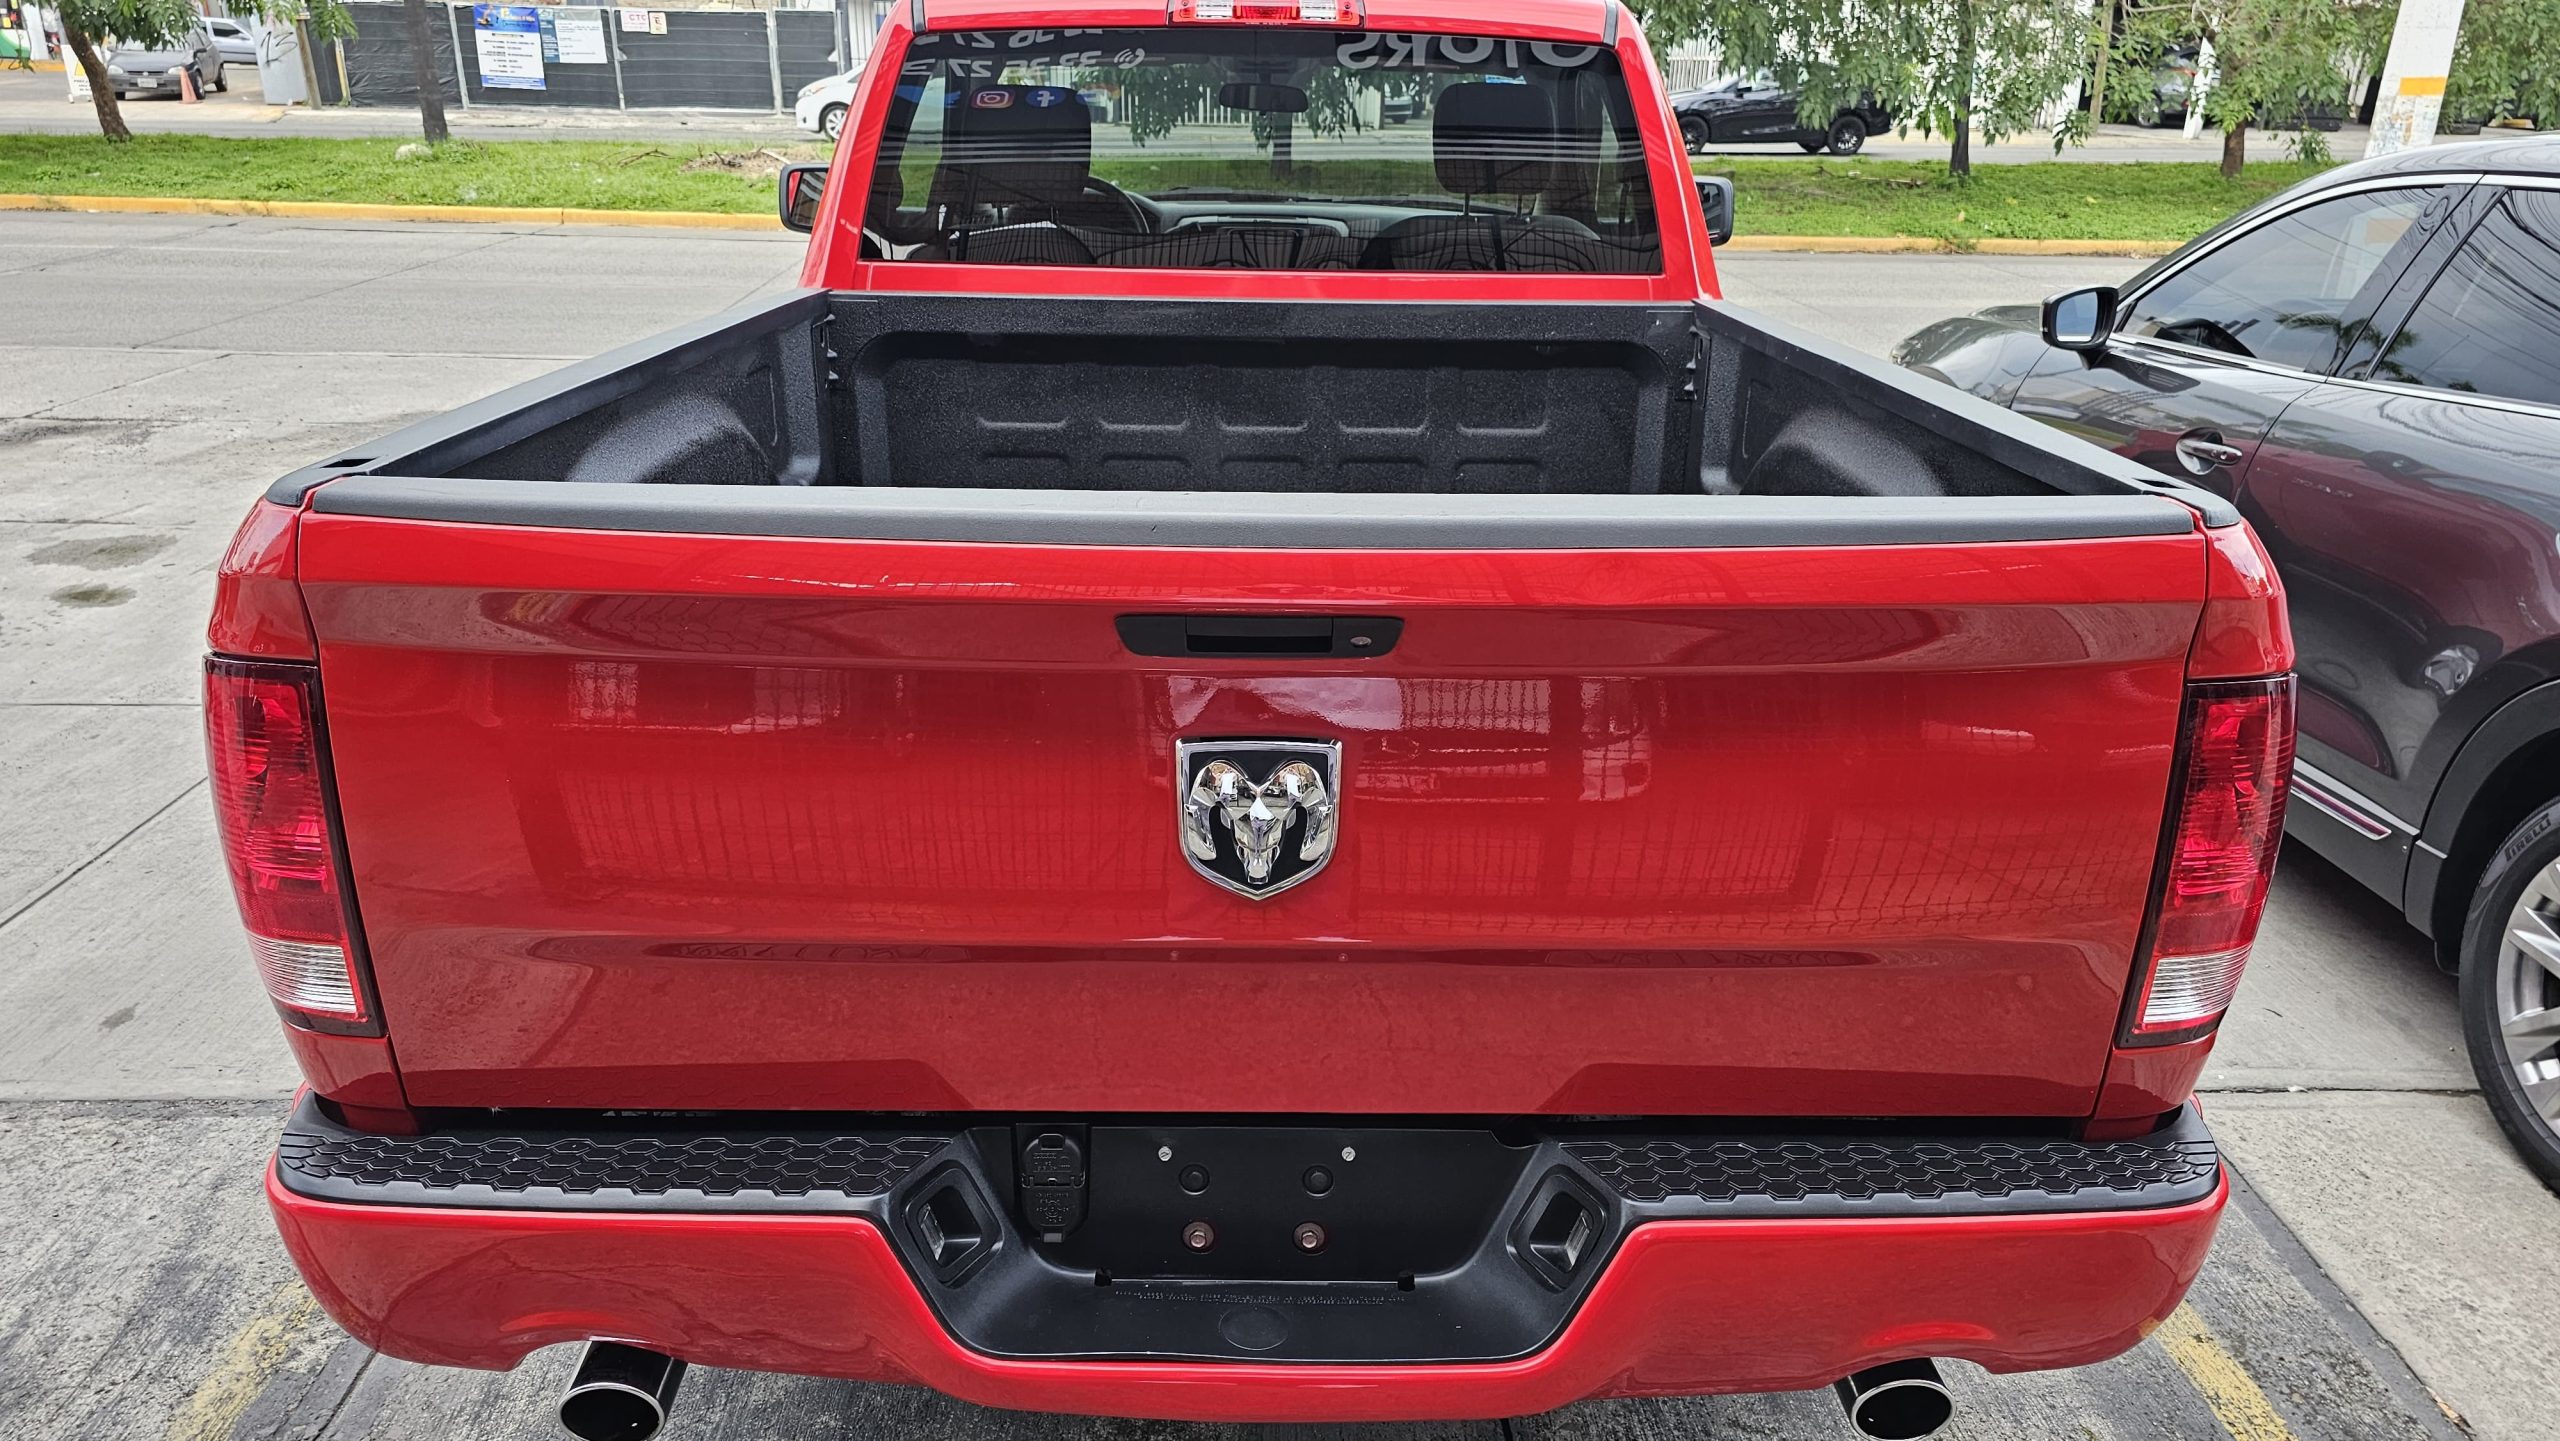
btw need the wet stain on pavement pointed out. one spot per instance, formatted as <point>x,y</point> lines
<point>103,553</point>
<point>92,595</point>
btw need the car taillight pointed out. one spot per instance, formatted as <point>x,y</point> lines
<point>2235,763</point>
<point>1264,12</point>
<point>271,800</point>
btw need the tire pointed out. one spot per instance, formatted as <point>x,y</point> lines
<point>1848,136</point>
<point>1815,146</point>
<point>831,121</point>
<point>2503,983</point>
<point>221,80</point>
<point>1693,134</point>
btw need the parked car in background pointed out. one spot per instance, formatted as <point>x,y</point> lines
<point>233,39</point>
<point>1753,110</point>
<point>822,104</point>
<point>145,70</point>
<point>2173,80</point>
<point>2173,83</point>
<point>2370,365</point>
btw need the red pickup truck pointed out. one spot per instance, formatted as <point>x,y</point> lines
<point>1254,763</point>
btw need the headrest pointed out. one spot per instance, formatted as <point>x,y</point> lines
<point>1017,145</point>
<point>1493,139</point>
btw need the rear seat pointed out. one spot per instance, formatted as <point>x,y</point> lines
<point>1026,149</point>
<point>1497,141</point>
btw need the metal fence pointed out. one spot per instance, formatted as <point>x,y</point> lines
<point>648,59</point>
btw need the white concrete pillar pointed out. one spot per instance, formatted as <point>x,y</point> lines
<point>2404,116</point>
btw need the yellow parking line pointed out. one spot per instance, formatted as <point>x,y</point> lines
<point>258,1349</point>
<point>2225,1384</point>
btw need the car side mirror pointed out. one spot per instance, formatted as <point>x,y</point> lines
<point>1715,200</point>
<point>803,186</point>
<point>2080,319</point>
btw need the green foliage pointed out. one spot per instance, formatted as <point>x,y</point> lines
<point>2272,59</point>
<point>137,22</point>
<point>327,19</point>
<point>1154,98</point>
<point>2507,62</point>
<point>1949,67</point>
<point>157,22</point>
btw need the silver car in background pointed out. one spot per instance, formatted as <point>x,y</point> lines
<point>157,70</point>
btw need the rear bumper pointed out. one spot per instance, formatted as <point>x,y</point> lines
<point>1782,1295</point>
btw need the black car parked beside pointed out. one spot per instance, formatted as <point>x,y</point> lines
<point>1749,110</point>
<point>2369,364</point>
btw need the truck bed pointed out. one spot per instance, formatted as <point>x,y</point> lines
<point>1093,403</point>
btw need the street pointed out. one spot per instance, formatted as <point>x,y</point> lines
<point>2386,1269</point>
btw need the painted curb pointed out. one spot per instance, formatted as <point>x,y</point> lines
<point>352,210</point>
<point>708,220</point>
<point>1931,245</point>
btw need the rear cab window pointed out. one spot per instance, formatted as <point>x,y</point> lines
<point>1262,149</point>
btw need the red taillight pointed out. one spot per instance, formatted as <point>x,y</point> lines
<point>271,800</point>
<point>1341,13</point>
<point>2235,758</point>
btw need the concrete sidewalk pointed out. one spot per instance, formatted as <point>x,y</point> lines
<point>37,103</point>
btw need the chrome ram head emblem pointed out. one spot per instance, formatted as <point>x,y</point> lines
<point>1258,816</point>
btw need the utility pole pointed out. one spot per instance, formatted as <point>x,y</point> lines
<point>2404,116</point>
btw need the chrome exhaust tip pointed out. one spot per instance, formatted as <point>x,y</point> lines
<point>1899,1401</point>
<point>619,1393</point>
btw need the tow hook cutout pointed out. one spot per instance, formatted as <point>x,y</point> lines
<point>1899,1401</point>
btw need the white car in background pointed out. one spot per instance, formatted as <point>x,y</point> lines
<point>237,42</point>
<point>823,104</point>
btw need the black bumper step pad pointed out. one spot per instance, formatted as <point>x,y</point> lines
<point>1660,1175</point>
<point>1843,1175</point>
<point>754,1171</point>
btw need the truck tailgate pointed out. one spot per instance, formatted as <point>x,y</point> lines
<point>658,820</point>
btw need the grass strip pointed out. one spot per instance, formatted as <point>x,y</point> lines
<point>2133,200</point>
<point>582,174</point>
<point>1809,196</point>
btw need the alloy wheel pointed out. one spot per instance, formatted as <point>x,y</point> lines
<point>2526,993</point>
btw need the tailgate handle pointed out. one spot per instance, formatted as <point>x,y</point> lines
<point>1258,637</point>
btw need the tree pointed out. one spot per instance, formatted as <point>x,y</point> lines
<point>1951,67</point>
<point>422,59</point>
<point>88,23</point>
<point>2273,61</point>
<point>141,22</point>
<point>2506,62</point>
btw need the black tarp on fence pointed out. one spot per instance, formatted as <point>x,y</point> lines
<point>706,59</point>
<point>377,58</point>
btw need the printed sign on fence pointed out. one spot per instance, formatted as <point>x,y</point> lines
<point>508,40</point>
<point>635,22</point>
<point>575,37</point>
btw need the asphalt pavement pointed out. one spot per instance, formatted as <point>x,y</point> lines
<point>2387,1271</point>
